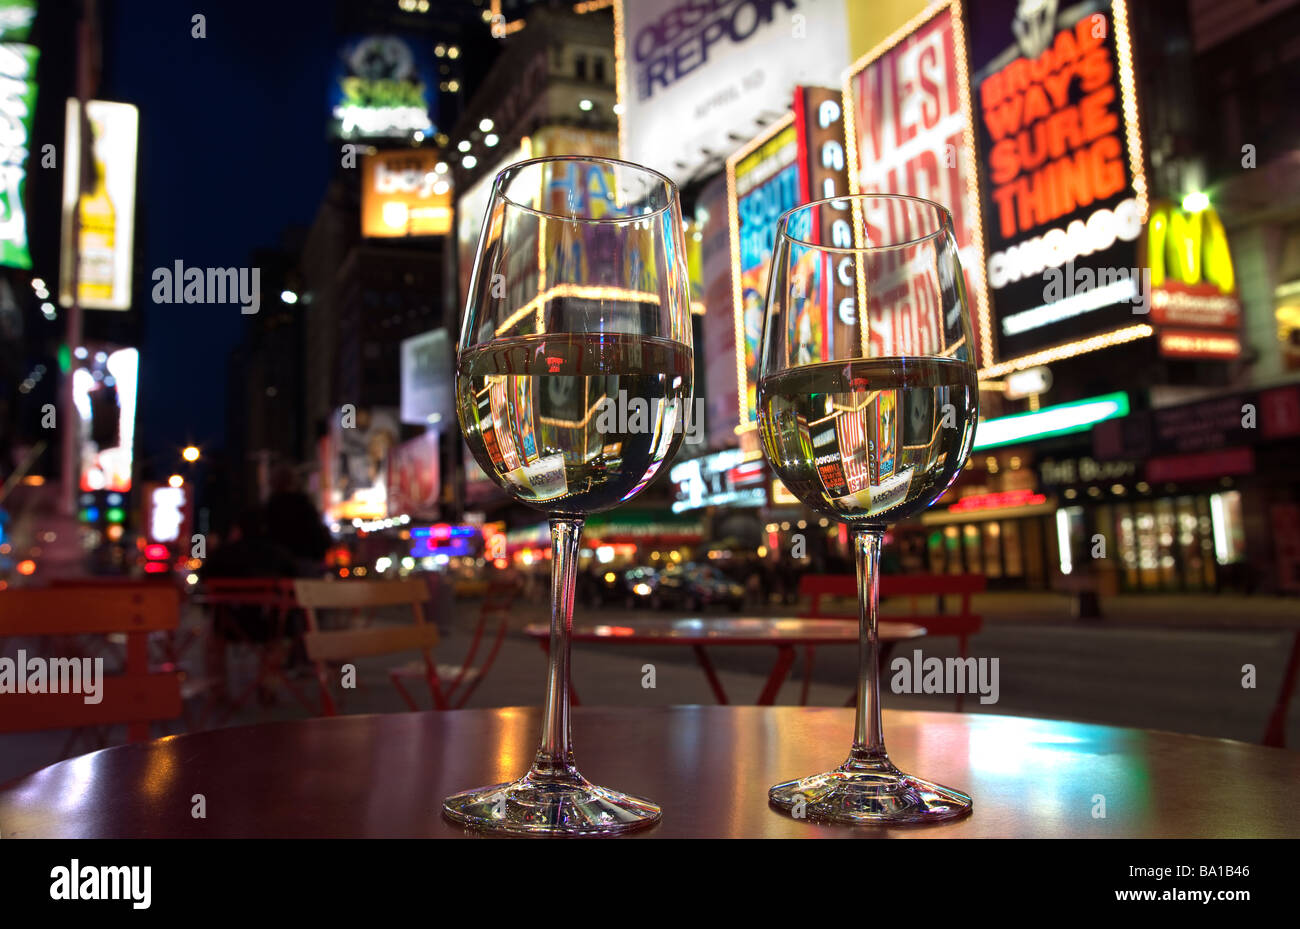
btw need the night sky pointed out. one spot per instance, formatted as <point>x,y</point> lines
<point>232,150</point>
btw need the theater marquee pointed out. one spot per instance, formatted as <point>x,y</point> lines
<point>908,122</point>
<point>1062,177</point>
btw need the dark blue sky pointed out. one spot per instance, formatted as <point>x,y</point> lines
<point>232,150</point>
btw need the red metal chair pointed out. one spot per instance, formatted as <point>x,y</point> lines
<point>1275,732</point>
<point>496,606</point>
<point>275,597</point>
<point>138,697</point>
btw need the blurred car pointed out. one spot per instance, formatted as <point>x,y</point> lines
<point>627,587</point>
<point>693,586</point>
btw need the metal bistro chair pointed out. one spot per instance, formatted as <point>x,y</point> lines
<point>496,606</point>
<point>337,645</point>
<point>136,698</point>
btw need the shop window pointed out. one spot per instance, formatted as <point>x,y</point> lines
<point>992,534</point>
<point>936,553</point>
<point>1205,533</point>
<point>1109,563</point>
<point>1190,552</point>
<point>952,549</point>
<point>1165,533</point>
<point>1127,545</point>
<point>1013,554</point>
<point>971,540</point>
<point>1147,545</point>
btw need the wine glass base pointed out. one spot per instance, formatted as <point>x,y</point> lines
<point>533,806</point>
<point>869,798</point>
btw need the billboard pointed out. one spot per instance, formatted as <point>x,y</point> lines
<point>479,487</point>
<point>693,77</point>
<point>568,140</point>
<point>764,181</point>
<point>471,208</point>
<point>104,384</point>
<point>1193,283</point>
<point>17,107</point>
<point>909,130</point>
<point>355,473</point>
<point>414,477</point>
<point>726,478</point>
<point>382,88</point>
<point>169,513</point>
<point>404,193</point>
<point>427,379</point>
<point>1061,169</point>
<point>105,205</point>
<point>716,383</point>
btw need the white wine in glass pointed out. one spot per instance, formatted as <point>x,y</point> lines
<point>867,403</point>
<point>578,312</point>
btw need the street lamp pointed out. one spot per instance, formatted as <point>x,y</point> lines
<point>190,453</point>
<point>175,480</point>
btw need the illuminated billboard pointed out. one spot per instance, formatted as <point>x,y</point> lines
<point>105,209</point>
<point>17,107</point>
<point>427,379</point>
<point>404,193</point>
<point>104,383</point>
<point>1193,283</point>
<point>382,88</point>
<point>169,513</point>
<point>414,477</point>
<point>355,470</point>
<point>471,208</point>
<point>694,77</point>
<point>909,130</point>
<point>568,140</point>
<point>727,478</point>
<point>763,181</point>
<point>1061,168</point>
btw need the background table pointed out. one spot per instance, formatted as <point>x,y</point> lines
<point>784,633</point>
<point>709,767</point>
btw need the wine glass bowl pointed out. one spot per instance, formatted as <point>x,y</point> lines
<point>867,403</point>
<point>574,379</point>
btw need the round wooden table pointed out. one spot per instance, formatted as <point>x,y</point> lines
<point>708,766</point>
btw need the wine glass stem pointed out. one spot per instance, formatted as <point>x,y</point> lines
<point>555,753</point>
<point>868,739</point>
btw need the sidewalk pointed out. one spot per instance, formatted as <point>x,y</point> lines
<point>1193,611</point>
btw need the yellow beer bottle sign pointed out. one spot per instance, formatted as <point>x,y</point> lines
<point>98,235</point>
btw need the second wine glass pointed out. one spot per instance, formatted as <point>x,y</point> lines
<point>573,382</point>
<point>867,401</point>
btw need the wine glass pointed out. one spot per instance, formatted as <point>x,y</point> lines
<point>573,380</point>
<point>867,401</point>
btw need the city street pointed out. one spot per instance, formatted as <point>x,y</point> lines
<point>1154,664</point>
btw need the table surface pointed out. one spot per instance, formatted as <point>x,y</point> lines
<point>741,630</point>
<point>708,767</point>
